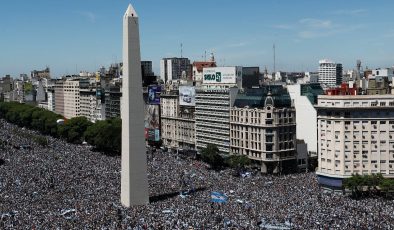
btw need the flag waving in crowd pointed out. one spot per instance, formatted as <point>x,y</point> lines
<point>218,197</point>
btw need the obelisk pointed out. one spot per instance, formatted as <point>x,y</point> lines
<point>134,178</point>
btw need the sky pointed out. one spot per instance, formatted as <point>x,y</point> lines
<point>82,35</point>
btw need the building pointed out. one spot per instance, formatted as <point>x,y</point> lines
<point>59,97</point>
<point>213,117</point>
<point>148,77</point>
<point>344,89</point>
<point>174,69</point>
<point>178,119</point>
<point>40,74</point>
<point>250,77</point>
<point>378,85</point>
<point>6,84</point>
<point>146,68</point>
<point>214,99</point>
<point>263,127</point>
<point>51,99</point>
<point>304,98</point>
<point>87,98</point>
<point>72,104</point>
<point>355,135</point>
<point>198,66</point>
<point>112,100</point>
<point>330,73</point>
<point>384,73</point>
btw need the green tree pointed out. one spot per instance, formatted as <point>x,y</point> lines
<point>73,130</point>
<point>105,135</point>
<point>387,186</point>
<point>211,156</point>
<point>238,162</point>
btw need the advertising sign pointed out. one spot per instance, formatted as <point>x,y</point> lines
<point>221,75</point>
<point>152,124</point>
<point>154,94</point>
<point>187,95</point>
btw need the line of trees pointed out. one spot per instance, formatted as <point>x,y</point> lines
<point>367,185</point>
<point>105,135</point>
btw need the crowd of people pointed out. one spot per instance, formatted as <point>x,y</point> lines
<point>68,186</point>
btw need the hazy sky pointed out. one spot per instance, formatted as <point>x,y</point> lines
<point>74,35</point>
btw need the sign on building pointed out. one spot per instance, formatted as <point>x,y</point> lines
<point>154,95</point>
<point>187,95</point>
<point>152,124</point>
<point>222,75</point>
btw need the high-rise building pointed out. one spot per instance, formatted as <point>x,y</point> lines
<point>71,98</point>
<point>214,99</point>
<point>59,96</point>
<point>330,73</point>
<point>146,68</point>
<point>148,77</point>
<point>250,77</point>
<point>355,135</point>
<point>113,95</point>
<point>175,69</point>
<point>88,98</point>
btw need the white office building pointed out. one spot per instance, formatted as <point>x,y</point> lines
<point>330,73</point>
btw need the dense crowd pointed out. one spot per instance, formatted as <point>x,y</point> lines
<point>69,186</point>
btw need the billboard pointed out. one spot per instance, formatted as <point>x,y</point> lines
<point>222,75</point>
<point>154,94</point>
<point>187,95</point>
<point>152,124</point>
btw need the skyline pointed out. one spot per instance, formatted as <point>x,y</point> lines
<point>78,36</point>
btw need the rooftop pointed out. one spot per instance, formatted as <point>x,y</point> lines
<point>255,97</point>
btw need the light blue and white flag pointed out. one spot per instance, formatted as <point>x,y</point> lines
<point>218,197</point>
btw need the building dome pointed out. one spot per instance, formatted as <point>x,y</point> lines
<point>269,101</point>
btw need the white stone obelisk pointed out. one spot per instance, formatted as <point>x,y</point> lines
<point>134,178</point>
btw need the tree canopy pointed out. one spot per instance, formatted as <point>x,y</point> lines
<point>211,156</point>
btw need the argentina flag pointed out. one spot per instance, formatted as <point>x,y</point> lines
<point>218,197</point>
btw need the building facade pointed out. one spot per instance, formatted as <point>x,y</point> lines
<point>304,98</point>
<point>72,104</point>
<point>88,99</point>
<point>330,73</point>
<point>59,97</point>
<point>172,68</point>
<point>51,99</point>
<point>177,122</point>
<point>113,95</point>
<point>263,130</point>
<point>355,135</point>
<point>212,114</point>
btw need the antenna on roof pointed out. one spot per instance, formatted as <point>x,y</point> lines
<point>274,59</point>
<point>181,49</point>
<point>205,55</point>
